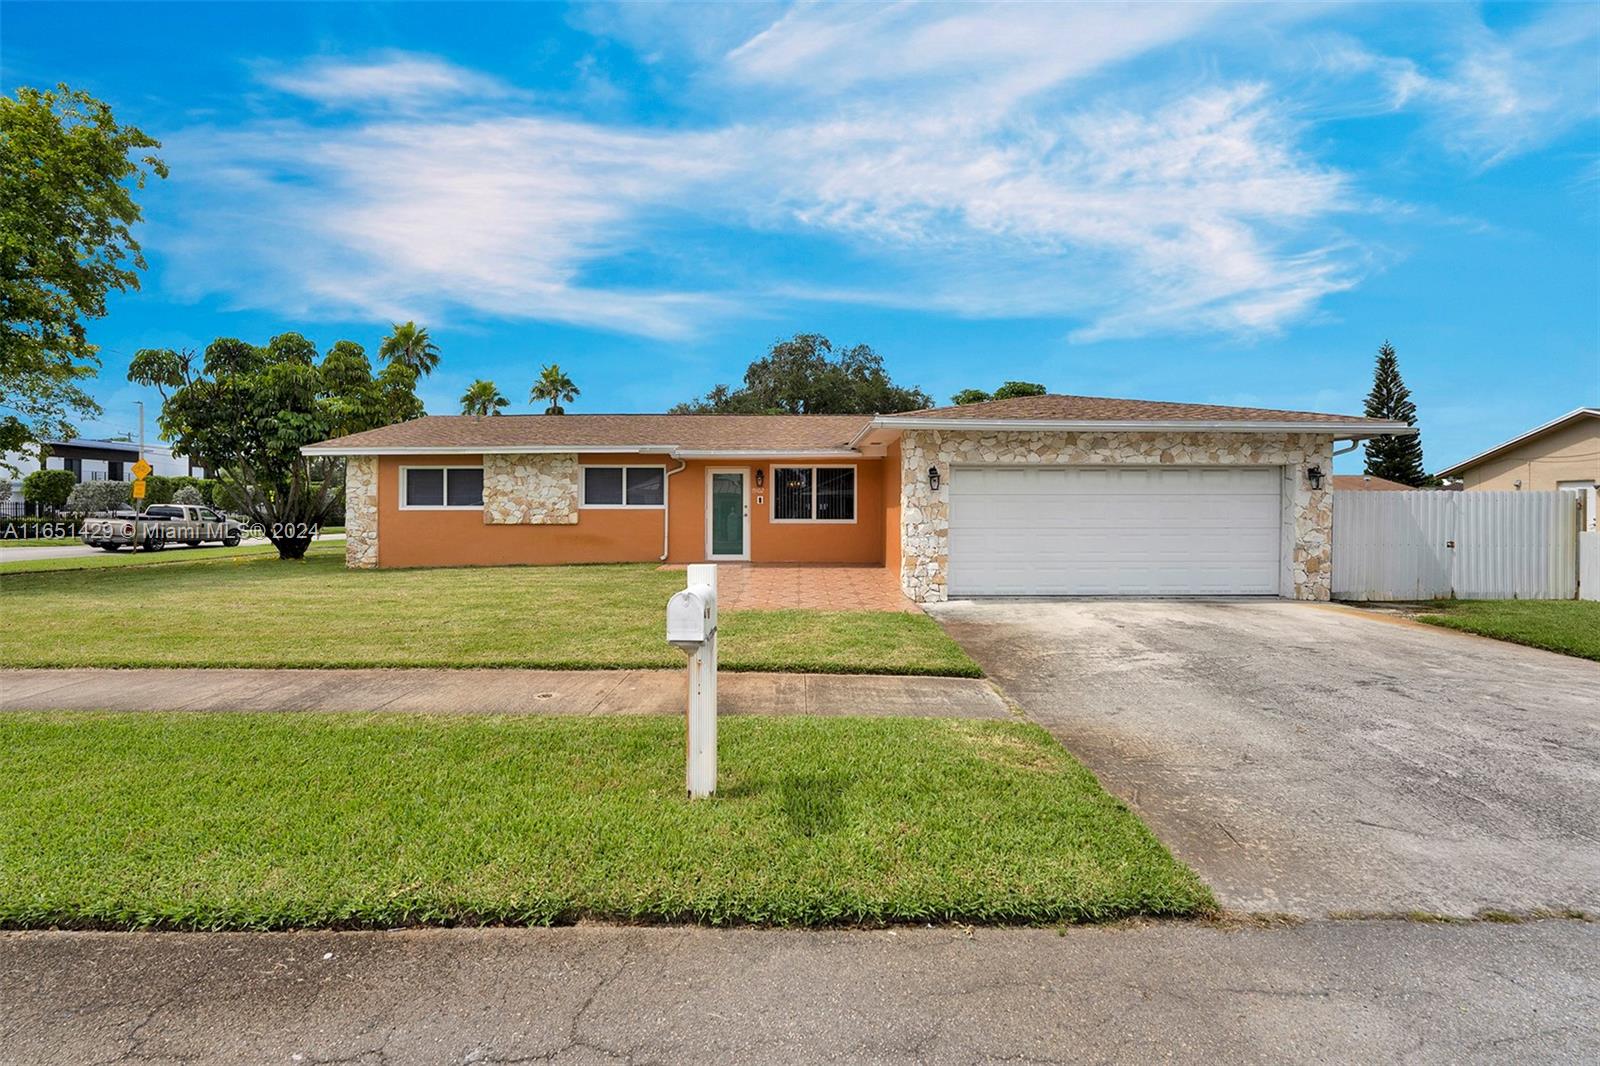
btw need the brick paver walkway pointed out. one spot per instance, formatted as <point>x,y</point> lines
<point>818,586</point>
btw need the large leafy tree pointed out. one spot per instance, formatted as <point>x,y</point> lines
<point>1394,458</point>
<point>483,397</point>
<point>554,388</point>
<point>245,411</point>
<point>410,345</point>
<point>1010,390</point>
<point>806,375</point>
<point>1013,389</point>
<point>68,172</point>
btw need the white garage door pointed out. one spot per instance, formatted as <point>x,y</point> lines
<point>1114,531</point>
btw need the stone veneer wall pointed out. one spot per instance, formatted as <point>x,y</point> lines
<point>539,490</point>
<point>361,511</point>
<point>1306,553</point>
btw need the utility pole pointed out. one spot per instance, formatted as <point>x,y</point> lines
<point>138,504</point>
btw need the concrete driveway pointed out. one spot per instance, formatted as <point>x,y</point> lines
<point>1315,759</point>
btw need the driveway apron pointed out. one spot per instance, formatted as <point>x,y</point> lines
<point>1313,759</point>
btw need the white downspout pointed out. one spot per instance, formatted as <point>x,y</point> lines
<point>666,510</point>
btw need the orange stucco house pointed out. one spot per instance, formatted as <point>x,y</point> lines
<point>1036,495</point>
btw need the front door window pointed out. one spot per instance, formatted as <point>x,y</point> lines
<point>727,514</point>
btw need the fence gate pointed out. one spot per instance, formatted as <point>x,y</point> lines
<point>1470,545</point>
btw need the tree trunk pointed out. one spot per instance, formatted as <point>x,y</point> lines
<point>291,547</point>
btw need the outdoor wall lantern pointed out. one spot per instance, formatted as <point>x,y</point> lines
<point>761,477</point>
<point>1314,475</point>
<point>933,478</point>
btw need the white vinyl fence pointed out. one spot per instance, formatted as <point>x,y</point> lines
<point>1470,545</point>
<point>1589,566</point>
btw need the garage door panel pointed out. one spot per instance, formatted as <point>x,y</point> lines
<point>1114,531</point>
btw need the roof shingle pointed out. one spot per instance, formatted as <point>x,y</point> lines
<point>801,433</point>
<point>1060,408</point>
<point>771,433</point>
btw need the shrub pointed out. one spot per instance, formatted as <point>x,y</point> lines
<point>48,488</point>
<point>159,489</point>
<point>90,496</point>
<point>188,494</point>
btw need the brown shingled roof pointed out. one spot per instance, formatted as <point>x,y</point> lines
<point>769,433</point>
<point>1057,408</point>
<point>1366,483</point>
<point>801,433</point>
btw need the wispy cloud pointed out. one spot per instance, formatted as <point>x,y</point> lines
<point>389,78</point>
<point>423,216</point>
<point>990,58</point>
<point>1497,95</point>
<point>975,160</point>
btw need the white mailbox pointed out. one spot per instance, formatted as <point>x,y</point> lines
<point>692,616</point>
<point>692,626</point>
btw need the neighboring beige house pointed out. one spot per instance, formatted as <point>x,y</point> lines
<point>1562,454</point>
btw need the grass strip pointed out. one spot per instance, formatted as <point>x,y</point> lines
<point>1571,627</point>
<point>189,821</point>
<point>164,557</point>
<point>261,612</point>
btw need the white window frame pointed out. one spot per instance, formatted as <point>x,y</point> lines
<point>855,495</point>
<point>583,487</point>
<point>407,505</point>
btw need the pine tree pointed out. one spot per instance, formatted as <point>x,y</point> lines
<point>1394,458</point>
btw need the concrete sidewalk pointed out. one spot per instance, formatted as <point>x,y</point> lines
<point>559,692</point>
<point>1324,992</point>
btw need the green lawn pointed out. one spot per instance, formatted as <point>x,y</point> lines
<point>259,611</point>
<point>1571,627</point>
<point>202,821</point>
<point>39,542</point>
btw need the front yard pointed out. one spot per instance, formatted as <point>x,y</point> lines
<point>276,821</point>
<point>1571,627</point>
<point>254,611</point>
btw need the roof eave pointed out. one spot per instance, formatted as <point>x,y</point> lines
<point>333,449</point>
<point>766,453</point>
<point>671,450</point>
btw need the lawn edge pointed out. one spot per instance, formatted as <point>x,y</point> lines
<point>590,666</point>
<point>1444,621</point>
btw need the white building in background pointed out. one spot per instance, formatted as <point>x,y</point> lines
<point>93,460</point>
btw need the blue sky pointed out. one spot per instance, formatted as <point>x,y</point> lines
<point>1206,203</point>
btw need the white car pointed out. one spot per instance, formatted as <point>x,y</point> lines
<point>161,524</point>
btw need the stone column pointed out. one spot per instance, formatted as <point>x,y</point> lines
<point>924,518</point>
<point>361,512</point>
<point>1312,521</point>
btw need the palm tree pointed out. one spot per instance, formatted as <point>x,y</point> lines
<point>409,344</point>
<point>482,398</point>
<point>555,388</point>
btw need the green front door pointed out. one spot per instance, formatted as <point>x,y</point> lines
<point>727,514</point>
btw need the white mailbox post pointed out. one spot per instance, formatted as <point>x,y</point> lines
<point>692,626</point>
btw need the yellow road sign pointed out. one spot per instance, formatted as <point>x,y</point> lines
<point>138,489</point>
<point>142,469</point>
